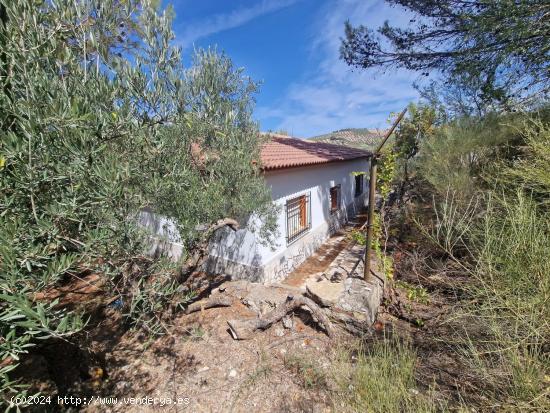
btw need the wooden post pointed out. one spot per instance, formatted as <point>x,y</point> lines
<point>372,193</point>
<point>370,217</point>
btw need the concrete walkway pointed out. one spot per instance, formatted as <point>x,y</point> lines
<point>333,277</point>
<point>324,256</point>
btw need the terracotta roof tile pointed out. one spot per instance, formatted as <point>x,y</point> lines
<point>285,152</point>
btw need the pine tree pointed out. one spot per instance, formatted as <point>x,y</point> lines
<point>499,48</point>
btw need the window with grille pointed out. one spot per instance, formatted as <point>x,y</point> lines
<point>334,198</point>
<point>298,217</point>
<point>359,184</point>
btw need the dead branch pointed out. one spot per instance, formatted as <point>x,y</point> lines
<point>243,329</point>
<point>231,223</point>
<point>200,252</point>
<point>215,301</point>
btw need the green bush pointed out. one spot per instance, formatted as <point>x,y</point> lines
<point>99,119</point>
<point>529,168</point>
<point>491,197</point>
<point>456,154</point>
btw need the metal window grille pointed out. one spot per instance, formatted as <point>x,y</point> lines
<point>298,217</point>
<point>358,184</point>
<point>335,198</point>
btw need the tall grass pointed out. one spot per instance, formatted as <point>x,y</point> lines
<point>492,190</point>
<point>380,377</point>
<point>508,260</point>
<point>513,291</point>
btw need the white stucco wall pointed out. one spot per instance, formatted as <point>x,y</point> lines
<point>242,256</point>
<point>165,238</point>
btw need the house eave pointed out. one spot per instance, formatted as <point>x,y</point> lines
<point>306,164</point>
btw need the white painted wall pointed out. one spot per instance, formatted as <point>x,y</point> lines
<point>165,238</point>
<point>240,253</point>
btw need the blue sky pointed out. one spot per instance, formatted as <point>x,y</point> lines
<point>292,47</point>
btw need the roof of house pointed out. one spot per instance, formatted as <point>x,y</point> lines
<point>282,152</point>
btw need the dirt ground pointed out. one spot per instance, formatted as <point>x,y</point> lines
<point>200,361</point>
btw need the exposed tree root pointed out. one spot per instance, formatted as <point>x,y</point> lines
<point>348,322</point>
<point>215,301</point>
<point>243,329</point>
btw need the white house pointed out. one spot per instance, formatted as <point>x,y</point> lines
<point>317,186</point>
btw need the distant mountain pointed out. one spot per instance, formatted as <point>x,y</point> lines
<point>363,138</point>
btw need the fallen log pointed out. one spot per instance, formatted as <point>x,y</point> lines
<point>243,329</point>
<point>212,302</point>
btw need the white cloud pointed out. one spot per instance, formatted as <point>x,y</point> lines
<point>187,34</point>
<point>334,96</point>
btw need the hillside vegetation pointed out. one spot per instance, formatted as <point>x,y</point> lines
<point>466,223</point>
<point>464,234</point>
<point>355,137</point>
<point>486,183</point>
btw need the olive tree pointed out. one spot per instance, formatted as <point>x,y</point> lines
<point>99,119</point>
